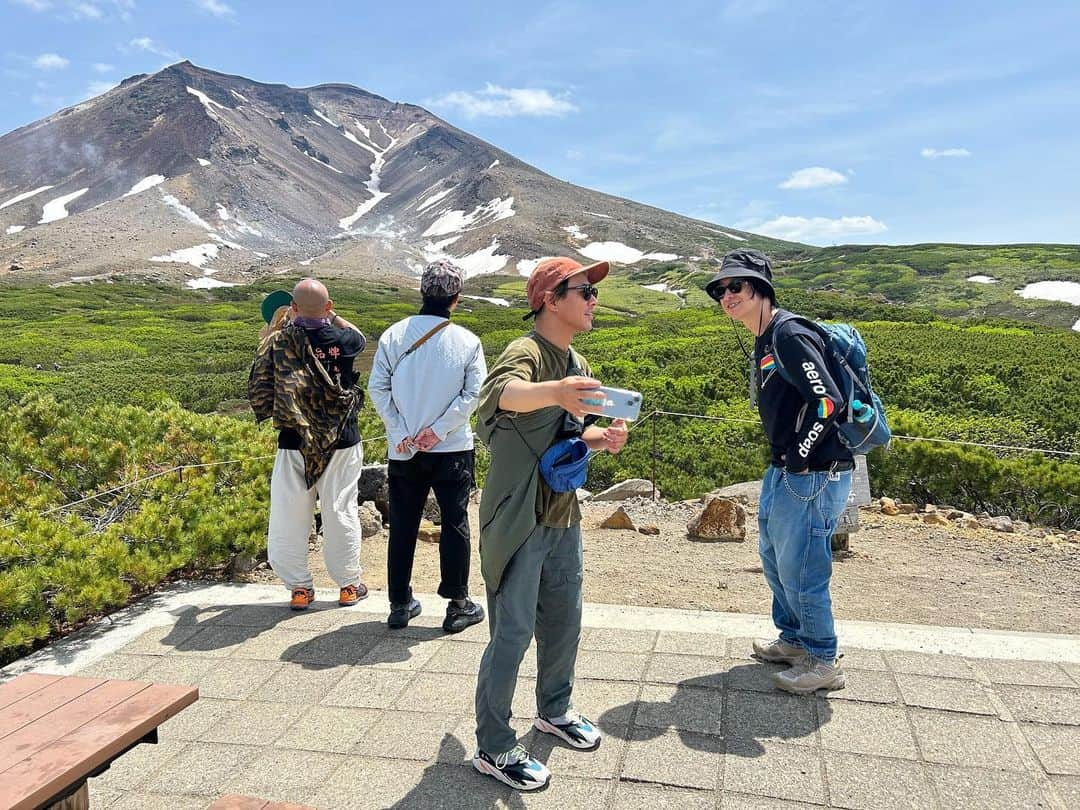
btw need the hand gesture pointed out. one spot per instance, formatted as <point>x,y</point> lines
<point>405,445</point>
<point>615,435</point>
<point>573,393</point>
<point>425,440</point>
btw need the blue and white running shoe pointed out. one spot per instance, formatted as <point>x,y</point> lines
<point>516,768</point>
<point>571,728</point>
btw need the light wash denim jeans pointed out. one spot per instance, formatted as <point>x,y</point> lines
<point>797,516</point>
<point>540,594</point>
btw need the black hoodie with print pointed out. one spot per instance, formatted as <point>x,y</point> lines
<point>798,416</point>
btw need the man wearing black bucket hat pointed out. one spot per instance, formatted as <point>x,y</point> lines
<point>530,536</point>
<point>805,489</point>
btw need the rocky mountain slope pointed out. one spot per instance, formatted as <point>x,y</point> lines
<point>210,179</point>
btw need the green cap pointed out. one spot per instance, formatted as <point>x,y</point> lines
<point>273,301</point>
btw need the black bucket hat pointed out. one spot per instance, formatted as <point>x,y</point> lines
<point>745,263</point>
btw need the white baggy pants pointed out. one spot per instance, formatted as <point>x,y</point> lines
<point>292,507</point>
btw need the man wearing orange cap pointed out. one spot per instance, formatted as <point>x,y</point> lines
<point>530,538</point>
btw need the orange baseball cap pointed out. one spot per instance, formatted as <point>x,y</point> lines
<point>550,273</point>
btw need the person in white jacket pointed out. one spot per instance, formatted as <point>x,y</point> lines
<point>424,384</point>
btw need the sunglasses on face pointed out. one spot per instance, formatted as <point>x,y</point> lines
<point>587,291</point>
<point>735,287</point>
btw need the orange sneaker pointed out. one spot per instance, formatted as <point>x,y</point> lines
<point>351,594</point>
<point>301,598</point>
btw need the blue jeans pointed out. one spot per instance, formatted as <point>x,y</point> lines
<point>797,516</point>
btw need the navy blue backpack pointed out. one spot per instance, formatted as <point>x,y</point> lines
<point>845,352</point>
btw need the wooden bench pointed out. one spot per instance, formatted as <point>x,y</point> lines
<point>56,732</point>
<point>236,802</point>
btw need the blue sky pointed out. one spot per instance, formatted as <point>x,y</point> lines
<point>882,122</point>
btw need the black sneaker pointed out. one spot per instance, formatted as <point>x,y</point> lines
<point>515,768</point>
<point>458,618</point>
<point>401,612</point>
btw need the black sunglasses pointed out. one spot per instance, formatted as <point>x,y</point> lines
<point>587,291</point>
<point>736,287</point>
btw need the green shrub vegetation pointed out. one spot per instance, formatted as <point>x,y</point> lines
<point>152,377</point>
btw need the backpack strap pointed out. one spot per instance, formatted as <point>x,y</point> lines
<point>430,334</point>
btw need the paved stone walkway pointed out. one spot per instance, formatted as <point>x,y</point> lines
<point>330,708</point>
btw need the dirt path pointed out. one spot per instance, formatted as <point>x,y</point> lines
<point>899,570</point>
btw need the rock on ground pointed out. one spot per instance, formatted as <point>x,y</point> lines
<point>721,519</point>
<point>630,488</point>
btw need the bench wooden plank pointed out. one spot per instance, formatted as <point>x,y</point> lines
<point>234,801</point>
<point>63,720</point>
<point>24,685</point>
<point>43,701</point>
<point>45,773</point>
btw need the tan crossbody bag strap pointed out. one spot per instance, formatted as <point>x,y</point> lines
<point>419,343</point>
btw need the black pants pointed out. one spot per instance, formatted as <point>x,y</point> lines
<point>451,476</point>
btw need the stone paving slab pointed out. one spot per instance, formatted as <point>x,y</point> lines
<point>330,708</point>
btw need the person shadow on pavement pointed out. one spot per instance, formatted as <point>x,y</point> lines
<point>452,782</point>
<point>741,705</point>
<point>325,637</point>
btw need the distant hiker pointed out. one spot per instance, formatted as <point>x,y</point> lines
<point>424,384</point>
<point>530,534</point>
<point>805,489</point>
<point>303,378</point>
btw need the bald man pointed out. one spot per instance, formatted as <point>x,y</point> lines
<point>335,343</point>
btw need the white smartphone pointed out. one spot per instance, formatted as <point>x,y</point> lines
<point>614,403</point>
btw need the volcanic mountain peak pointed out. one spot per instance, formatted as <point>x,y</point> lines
<point>224,179</point>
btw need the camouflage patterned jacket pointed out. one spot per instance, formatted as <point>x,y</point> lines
<point>288,384</point>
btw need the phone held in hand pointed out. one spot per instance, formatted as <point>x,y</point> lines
<point>614,403</point>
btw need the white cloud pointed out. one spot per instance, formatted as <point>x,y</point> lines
<point>103,67</point>
<point>216,7</point>
<point>817,229</point>
<point>505,102</point>
<point>934,154</point>
<point>148,45</point>
<point>814,177</point>
<point>34,5</point>
<point>51,61</point>
<point>86,10</point>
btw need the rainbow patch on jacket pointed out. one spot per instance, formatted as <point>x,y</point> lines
<point>825,408</point>
<point>767,363</point>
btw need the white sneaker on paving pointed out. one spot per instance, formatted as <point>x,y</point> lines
<point>779,651</point>
<point>810,675</point>
<point>571,728</point>
<point>515,768</point>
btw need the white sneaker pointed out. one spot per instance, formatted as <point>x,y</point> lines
<point>515,768</point>
<point>778,651</point>
<point>571,728</point>
<point>810,675</point>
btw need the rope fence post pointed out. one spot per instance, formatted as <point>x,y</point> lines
<point>653,428</point>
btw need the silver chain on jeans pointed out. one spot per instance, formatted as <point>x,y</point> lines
<point>796,495</point>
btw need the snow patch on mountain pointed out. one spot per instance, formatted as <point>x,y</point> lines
<point>146,183</point>
<point>979,278</point>
<point>206,283</point>
<point>1066,291</point>
<point>728,235</point>
<point>14,229</point>
<point>326,118</point>
<point>372,183</point>
<point>196,256</point>
<point>207,102</point>
<point>576,232</point>
<point>499,302</point>
<point>434,198</point>
<point>621,254</point>
<point>25,196</point>
<point>185,212</point>
<point>203,161</point>
<point>664,288</point>
<point>526,266</point>
<point>57,208</point>
<point>484,214</point>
